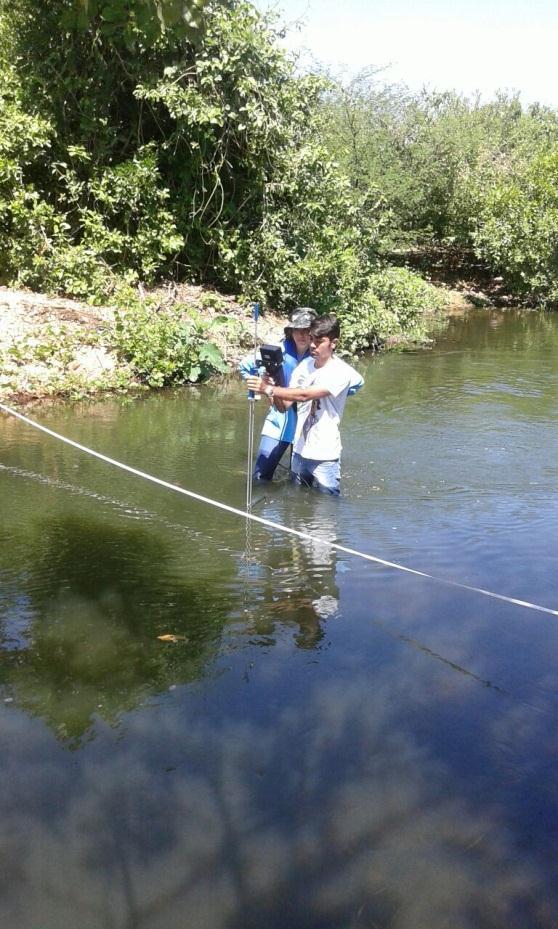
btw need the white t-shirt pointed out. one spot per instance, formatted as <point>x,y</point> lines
<point>317,429</point>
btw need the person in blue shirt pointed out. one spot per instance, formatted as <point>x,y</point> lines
<point>279,428</point>
<point>319,386</point>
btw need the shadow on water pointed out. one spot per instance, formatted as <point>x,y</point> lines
<point>95,599</point>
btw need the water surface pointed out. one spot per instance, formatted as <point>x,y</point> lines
<point>330,743</point>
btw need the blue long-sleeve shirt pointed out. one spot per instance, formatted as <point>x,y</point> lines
<point>279,426</point>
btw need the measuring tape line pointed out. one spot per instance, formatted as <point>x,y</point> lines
<point>275,525</point>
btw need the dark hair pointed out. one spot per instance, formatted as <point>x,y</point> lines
<point>327,326</point>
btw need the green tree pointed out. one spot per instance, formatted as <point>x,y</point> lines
<point>174,152</point>
<point>517,232</point>
<point>138,21</point>
<point>429,158</point>
<point>185,144</point>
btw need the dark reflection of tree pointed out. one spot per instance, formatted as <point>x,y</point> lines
<point>99,596</point>
<point>333,817</point>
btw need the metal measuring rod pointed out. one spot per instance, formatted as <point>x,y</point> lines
<point>251,398</point>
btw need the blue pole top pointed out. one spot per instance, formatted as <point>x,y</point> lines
<point>256,310</point>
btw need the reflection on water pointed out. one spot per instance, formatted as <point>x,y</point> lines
<point>290,583</point>
<point>83,643</point>
<point>239,823</point>
<point>328,744</point>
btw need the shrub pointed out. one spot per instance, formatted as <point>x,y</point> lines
<point>395,302</point>
<point>363,325</point>
<point>165,347</point>
<point>518,229</point>
<point>70,269</point>
<point>408,298</point>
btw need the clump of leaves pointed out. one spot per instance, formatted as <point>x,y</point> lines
<point>42,363</point>
<point>395,302</point>
<point>518,229</point>
<point>52,345</point>
<point>165,347</point>
<point>116,227</point>
<point>408,299</point>
<point>210,300</point>
<point>139,22</point>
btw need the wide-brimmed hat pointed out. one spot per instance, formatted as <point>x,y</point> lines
<point>302,317</point>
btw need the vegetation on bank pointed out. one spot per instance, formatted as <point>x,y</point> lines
<point>143,141</point>
<point>52,347</point>
<point>478,181</point>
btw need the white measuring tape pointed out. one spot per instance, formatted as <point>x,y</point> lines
<point>274,525</point>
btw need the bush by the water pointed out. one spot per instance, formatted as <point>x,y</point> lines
<point>165,346</point>
<point>397,303</point>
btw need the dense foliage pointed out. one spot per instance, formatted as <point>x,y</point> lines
<point>140,155</point>
<point>518,227</point>
<point>150,138</point>
<point>445,170</point>
<point>142,139</point>
<point>164,347</point>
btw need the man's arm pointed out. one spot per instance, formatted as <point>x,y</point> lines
<point>284,397</point>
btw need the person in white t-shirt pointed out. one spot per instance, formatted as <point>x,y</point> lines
<point>319,386</point>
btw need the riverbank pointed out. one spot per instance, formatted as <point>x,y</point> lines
<point>57,347</point>
<point>53,347</point>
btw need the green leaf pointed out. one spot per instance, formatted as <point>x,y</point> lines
<point>109,29</point>
<point>212,355</point>
<point>114,13</point>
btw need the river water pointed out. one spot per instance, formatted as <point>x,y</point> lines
<point>329,742</point>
